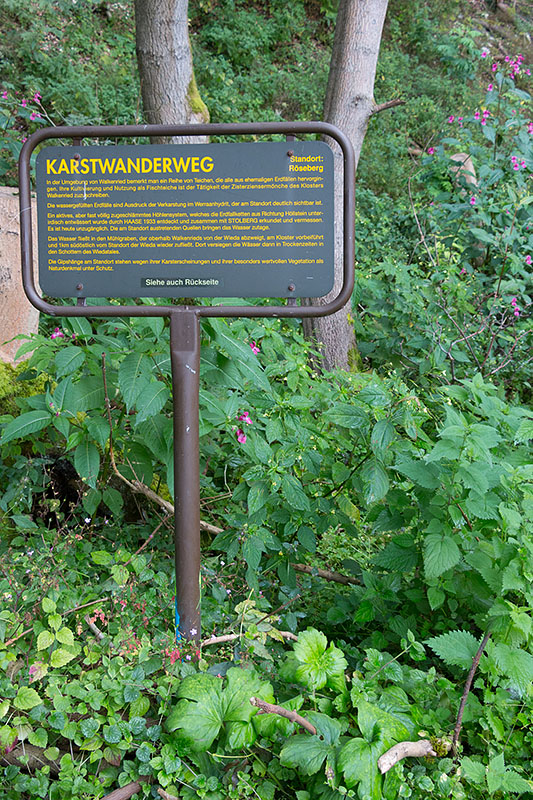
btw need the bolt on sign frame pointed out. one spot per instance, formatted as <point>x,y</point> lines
<point>185,323</point>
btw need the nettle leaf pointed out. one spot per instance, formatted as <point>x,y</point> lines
<point>456,648</point>
<point>474,476</point>
<point>516,664</point>
<point>440,554</point>
<point>483,506</point>
<point>318,663</point>
<point>525,431</point>
<point>474,771</point>
<point>425,475</point>
<point>400,555</point>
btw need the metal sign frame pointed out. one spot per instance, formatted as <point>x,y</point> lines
<point>185,325</point>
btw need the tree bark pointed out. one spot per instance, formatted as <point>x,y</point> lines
<point>169,92</point>
<point>349,105</point>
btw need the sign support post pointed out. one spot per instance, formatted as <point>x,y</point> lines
<point>73,252</point>
<point>185,361</point>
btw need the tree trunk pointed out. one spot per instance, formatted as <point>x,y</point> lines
<point>169,92</point>
<point>349,104</point>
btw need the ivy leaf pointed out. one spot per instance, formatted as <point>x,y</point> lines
<point>456,648</point>
<point>440,554</point>
<point>318,663</point>
<point>26,698</point>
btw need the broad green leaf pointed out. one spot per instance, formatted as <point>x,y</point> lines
<point>483,506</point>
<point>348,416</point>
<point>102,557</point>
<point>91,500</point>
<point>60,657</point>
<point>456,648</point>
<point>252,549</point>
<point>399,555</point>
<point>525,431</point>
<point>25,424</point>
<point>87,462</point>
<point>474,476</point>
<point>425,475</point>
<point>68,360</point>
<point>245,359</point>
<point>26,698</point>
<point>376,481</point>
<point>307,538</point>
<point>293,493</point>
<point>257,496</point>
<point>38,737</point>
<point>156,433</point>
<point>85,395</point>
<point>318,662</point>
<point>306,753</point>
<point>65,636</point>
<point>113,500</point>
<point>358,762</point>
<point>133,376</point>
<point>473,770</point>
<point>375,723</point>
<point>151,400</point>
<point>516,664</point>
<point>382,435</point>
<point>45,639</point>
<point>440,554</point>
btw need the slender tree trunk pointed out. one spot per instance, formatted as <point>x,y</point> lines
<point>349,105</point>
<point>169,92</point>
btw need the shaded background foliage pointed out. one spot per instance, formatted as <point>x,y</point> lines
<point>412,476</point>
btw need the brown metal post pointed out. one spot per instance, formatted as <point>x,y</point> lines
<point>185,360</point>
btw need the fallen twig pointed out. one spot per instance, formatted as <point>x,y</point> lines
<point>466,691</point>
<point>327,574</point>
<point>166,795</point>
<point>126,791</point>
<point>405,750</point>
<point>293,716</point>
<point>231,637</point>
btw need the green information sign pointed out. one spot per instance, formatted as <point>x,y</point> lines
<point>213,220</point>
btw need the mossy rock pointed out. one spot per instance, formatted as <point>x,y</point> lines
<point>13,385</point>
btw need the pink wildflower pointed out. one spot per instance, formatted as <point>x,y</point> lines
<point>472,201</point>
<point>241,436</point>
<point>490,87</point>
<point>451,118</point>
<point>431,150</point>
<point>57,334</point>
<point>245,417</point>
<point>494,67</point>
<point>528,260</point>
<point>255,348</point>
<point>4,94</point>
<point>174,656</point>
<point>484,54</point>
<point>517,313</point>
<point>24,102</point>
<point>36,97</point>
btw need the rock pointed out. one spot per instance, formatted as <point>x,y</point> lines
<point>17,315</point>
